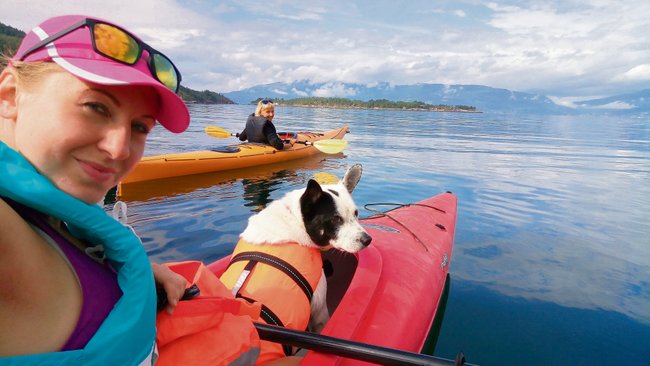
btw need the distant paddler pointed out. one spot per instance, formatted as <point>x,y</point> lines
<point>259,127</point>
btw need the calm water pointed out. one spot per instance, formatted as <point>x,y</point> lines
<point>551,263</point>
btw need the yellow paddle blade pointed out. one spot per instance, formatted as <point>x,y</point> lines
<point>217,132</point>
<point>325,178</point>
<point>330,146</point>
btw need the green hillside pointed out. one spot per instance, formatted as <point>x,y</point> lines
<point>10,38</point>
<point>372,104</point>
<point>203,97</point>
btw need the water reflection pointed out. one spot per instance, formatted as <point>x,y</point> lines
<point>257,191</point>
<point>201,216</point>
<point>161,189</point>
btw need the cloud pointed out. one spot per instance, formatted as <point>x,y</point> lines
<point>334,90</point>
<point>162,14</point>
<point>640,72</point>
<point>556,48</point>
<point>168,38</point>
<point>568,101</point>
<point>578,102</point>
<point>300,92</point>
<point>615,105</point>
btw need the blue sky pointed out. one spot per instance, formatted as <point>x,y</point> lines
<point>563,49</point>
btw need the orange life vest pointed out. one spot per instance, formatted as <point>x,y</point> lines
<point>211,329</point>
<point>282,278</point>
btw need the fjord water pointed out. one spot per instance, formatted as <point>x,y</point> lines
<point>551,263</point>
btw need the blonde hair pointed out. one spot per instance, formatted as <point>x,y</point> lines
<point>261,106</point>
<point>29,74</point>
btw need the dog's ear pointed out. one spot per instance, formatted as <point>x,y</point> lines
<point>352,177</point>
<point>312,193</point>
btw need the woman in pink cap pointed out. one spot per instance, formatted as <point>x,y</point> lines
<point>77,102</point>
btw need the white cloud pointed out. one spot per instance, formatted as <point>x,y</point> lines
<point>615,105</point>
<point>334,90</point>
<point>168,38</point>
<point>559,48</point>
<point>640,72</point>
<point>300,92</point>
<point>578,102</point>
<point>167,14</point>
<point>570,102</point>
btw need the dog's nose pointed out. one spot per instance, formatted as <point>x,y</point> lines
<point>366,239</point>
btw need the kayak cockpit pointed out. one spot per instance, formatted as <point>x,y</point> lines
<point>226,149</point>
<point>339,269</point>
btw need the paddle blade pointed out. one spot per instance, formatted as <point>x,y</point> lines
<point>330,146</point>
<point>325,178</point>
<point>217,132</point>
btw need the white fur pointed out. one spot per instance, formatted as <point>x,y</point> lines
<point>281,222</point>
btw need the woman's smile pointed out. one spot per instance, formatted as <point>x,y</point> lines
<point>98,172</point>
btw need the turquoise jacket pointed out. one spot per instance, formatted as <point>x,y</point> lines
<point>127,336</point>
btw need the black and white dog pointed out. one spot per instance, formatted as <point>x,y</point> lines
<point>277,261</point>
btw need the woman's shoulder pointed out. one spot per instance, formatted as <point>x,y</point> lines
<point>24,251</point>
<point>10,222</point>
<point>20,246</point>
<point>37,283</point>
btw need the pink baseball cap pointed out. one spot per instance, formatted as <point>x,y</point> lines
<point>74,52</point>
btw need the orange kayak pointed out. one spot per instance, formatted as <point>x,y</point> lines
<point>225,158</point>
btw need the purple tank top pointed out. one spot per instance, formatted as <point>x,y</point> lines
<point>98,281</point>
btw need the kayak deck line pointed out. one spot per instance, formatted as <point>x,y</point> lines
<point>248,146</point>
<point>206,161</point>
<point>400,205</point>
<point>232,157</point>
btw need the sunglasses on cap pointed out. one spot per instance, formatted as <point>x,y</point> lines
<point>266,101</point>
<point>119,45</point>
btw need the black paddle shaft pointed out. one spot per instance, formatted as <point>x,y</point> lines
<point>350,349</point>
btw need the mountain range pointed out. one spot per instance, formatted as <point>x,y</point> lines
<point>484,98</point>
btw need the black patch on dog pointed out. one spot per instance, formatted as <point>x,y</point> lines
<point>319,214</point>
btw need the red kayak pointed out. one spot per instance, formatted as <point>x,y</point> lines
<point>388,294</point>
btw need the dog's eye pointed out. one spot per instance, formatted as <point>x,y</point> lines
<point>356,213</point>
<point>337,220</point>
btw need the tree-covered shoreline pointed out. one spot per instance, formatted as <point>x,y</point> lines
<point>202,97</point>
<point>344,103</point>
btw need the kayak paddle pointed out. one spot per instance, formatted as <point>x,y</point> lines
<point>333,345</point>
<point>351,349</point>
<point>219,132</point>
<point>331,146</point>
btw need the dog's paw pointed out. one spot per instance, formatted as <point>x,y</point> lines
<point>317,327</point>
